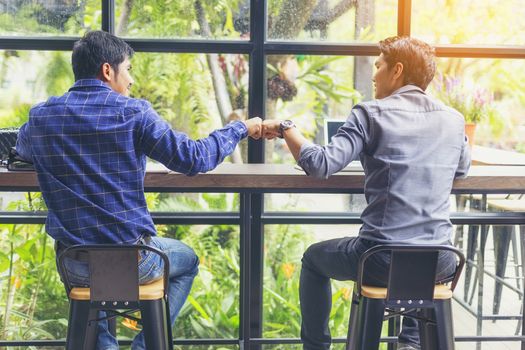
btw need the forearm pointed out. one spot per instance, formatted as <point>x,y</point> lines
<point>180,153</point>
<point>294,139</point>
<point>321,162</point>
<point>205,154</point>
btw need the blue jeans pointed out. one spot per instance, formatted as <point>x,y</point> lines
<point>183,269</point>
<point>338,259</point>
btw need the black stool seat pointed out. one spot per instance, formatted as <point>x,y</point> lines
<point>411,292</point>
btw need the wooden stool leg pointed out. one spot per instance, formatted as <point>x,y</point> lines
<point>81,334</point>
<point>369,323</point>
<point>444,324</point>
<point>155,324</point>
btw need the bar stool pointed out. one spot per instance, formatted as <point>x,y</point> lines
<point>474,203</point>
<point>507,240</point>
<point>114,288</point>
<point>411,288</point>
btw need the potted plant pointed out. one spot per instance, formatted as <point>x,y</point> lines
<point>476,105</point>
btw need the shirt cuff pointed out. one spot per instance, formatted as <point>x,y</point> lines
<point>240,127</point>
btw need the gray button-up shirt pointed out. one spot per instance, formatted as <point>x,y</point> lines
<point>411,147</point>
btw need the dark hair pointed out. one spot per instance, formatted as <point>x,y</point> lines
<point>416,56</point>
<point>95,49</point>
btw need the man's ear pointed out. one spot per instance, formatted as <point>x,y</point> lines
<point>106,72</point>
<point>398,70</point>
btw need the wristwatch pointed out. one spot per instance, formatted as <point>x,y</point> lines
<point>285,125</point>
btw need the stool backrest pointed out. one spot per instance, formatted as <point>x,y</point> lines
<point>113,275</point>
<point>412,275</point>
<point>113,271</point>
<point>412,271</point>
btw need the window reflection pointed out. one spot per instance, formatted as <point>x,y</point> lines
<point>338,21</point>
<point>312,89</point>
<point>228,19</point>
<point>48,17</point>
<point>196,93</point>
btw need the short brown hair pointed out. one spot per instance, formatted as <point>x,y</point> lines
<point>416,56</point>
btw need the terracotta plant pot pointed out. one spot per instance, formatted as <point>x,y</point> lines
<point>470,131</point>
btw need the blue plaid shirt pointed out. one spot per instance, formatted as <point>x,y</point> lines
<point>89,149</point>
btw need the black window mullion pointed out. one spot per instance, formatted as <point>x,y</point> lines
<point>257,78</point>
<point>251,321</point>
<point>108,16</point>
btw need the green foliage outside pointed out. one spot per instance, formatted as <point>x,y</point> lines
<point>32,300</point>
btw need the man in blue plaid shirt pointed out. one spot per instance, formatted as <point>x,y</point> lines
<point>89,149</point>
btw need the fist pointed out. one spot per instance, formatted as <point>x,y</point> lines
<point>254,126</point>
<point>271,129</point>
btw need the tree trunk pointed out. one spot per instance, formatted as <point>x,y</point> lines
<point>292,18</point>
<point>219,83</point>
<point>122,27</point>
<point>222,98</point>
<point>363,65</point>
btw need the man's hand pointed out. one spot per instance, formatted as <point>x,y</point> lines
<point>254,126</point>
<point>271,129</point>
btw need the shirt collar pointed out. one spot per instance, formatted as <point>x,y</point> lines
<point>85,84</point>
<point>408,88</point>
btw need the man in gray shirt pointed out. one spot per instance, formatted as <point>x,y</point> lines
<point>411,147</point>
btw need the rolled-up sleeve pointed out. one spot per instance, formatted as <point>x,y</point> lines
<point>345,146</point>
<point>178,152</point>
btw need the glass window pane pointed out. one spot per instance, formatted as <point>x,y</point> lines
<point>212,313</point>
<point>331,20</point>
<point>179,86</point>
<point>311,90</point>
<point>469,21</point>
<point>28,77</point>
<point>489,93</point>
<point>228,19</point>
<point>49,17</point>
<point>284,247</point>
<point>199,202</point>
<point>181,89</point>
<point>303,202</point>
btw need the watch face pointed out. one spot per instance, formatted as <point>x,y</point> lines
<point>286,124</point>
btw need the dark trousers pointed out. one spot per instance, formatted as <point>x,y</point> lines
<point>338,259</point>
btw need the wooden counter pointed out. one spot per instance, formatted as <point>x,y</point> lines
<point>285,178</point>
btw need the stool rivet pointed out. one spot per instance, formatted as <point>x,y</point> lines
<point>103,303</point>
<point>115,303</point>
<point>126,303</point>
<point>410,301</point>
<point>420,302</point>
